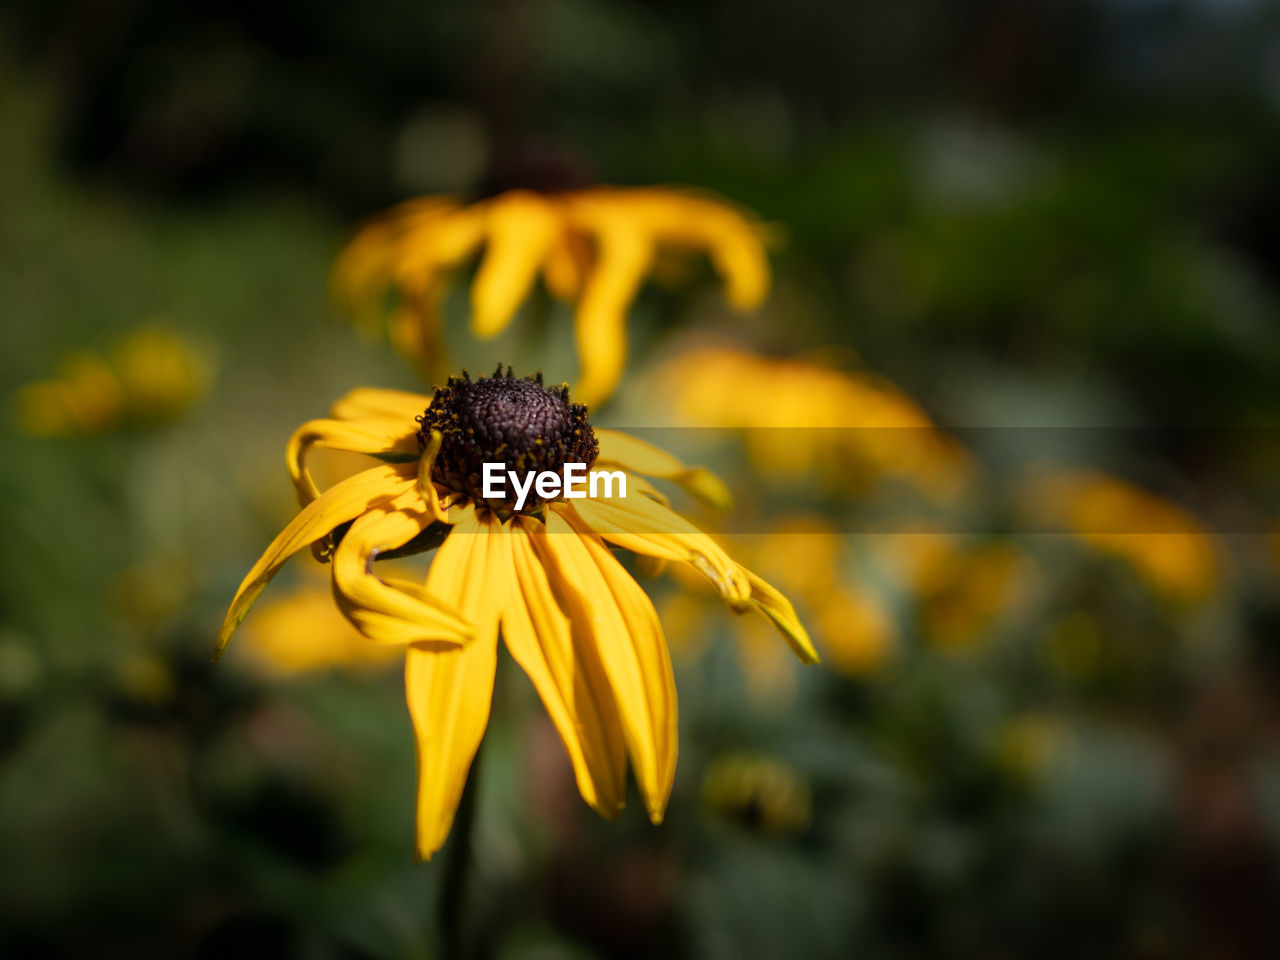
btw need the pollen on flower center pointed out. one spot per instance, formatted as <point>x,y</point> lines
<point>504,419</point>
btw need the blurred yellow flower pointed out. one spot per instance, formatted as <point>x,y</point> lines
<point>304,632</point>
<point>1164,544</point>
<point>803,416</point>
<point>592,247</point>
<point>150,376</point>
<point>757,792</point>
<point>807,560</point>
<point>962,590</point>
<point>571,616</point>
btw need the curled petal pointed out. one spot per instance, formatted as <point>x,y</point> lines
<point>565,668</point>
<point>735,243</point>
<point>640,456</point>
<point>449,690</point>
<point>377,437</point>
<point>767,600</point>
<point>426,488</point>
<point>391,611</point>
<point>610,607</point>
<point>342,502</point>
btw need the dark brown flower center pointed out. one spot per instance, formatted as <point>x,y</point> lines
<point>513,421</point>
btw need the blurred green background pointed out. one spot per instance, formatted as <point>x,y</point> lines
<point>1022,213</point>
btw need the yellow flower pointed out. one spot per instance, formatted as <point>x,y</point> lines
<point>150,377</point>
<point>543,577</point>
<point>850,427</point>
<point>592,247</point>
<point>962,589</point>
<point>304,632</point>
<point>1165,545</point>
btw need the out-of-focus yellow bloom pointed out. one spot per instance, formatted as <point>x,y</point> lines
<point>304,632</point>
<point>541,575</point>
<point>962,590</point>
<point>150,377</point>
<point>808,561</point>
<point>1164,544</point>
<point>757,792</point>
<point>592,247</point>
<point>801,416</point>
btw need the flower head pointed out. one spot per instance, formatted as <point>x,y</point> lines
<point>592,247</point>
<point>540,575</point>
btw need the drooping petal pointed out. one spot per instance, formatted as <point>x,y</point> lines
<point>521,228</point>
<point>380,437</point>
<point>639,456</point>
<point>769,601</point>
<point>568,260</point>
<point>565,668</point>
<point>605,601</point>
<point>449,690</point>
<point>734,243</point>
<point>425,254</point>
<point>624,252</point>
<point>391,611</point>
<point>342,502</point>
<point>642,525</point>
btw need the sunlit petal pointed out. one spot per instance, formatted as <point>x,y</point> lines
<point>565,668</point>
<point>639,456</point>
<point>449,690</point>
<point>342,502</point>
<point>606,601</point>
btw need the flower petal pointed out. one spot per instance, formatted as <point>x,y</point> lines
<point>449,690</point>
<point>376,437</point>
<point>342,502</point>
<point>639,456</point>
<point>565,668</point>
<point>604,600</point>
<point>644,526</point>
<point>373,402</point>
<point>521,228</point>
<point>624,252</point>
<point>391,611</point>
<point>769,601</point>
<point>734,243</point>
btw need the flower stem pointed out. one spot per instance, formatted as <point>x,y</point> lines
<point>457,865</point>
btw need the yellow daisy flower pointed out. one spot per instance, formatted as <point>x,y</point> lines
<point>150,376</point>
<point>1166,546</point>
<point>592,247</point>
<point>543,577</point>
<point>849,428</point>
